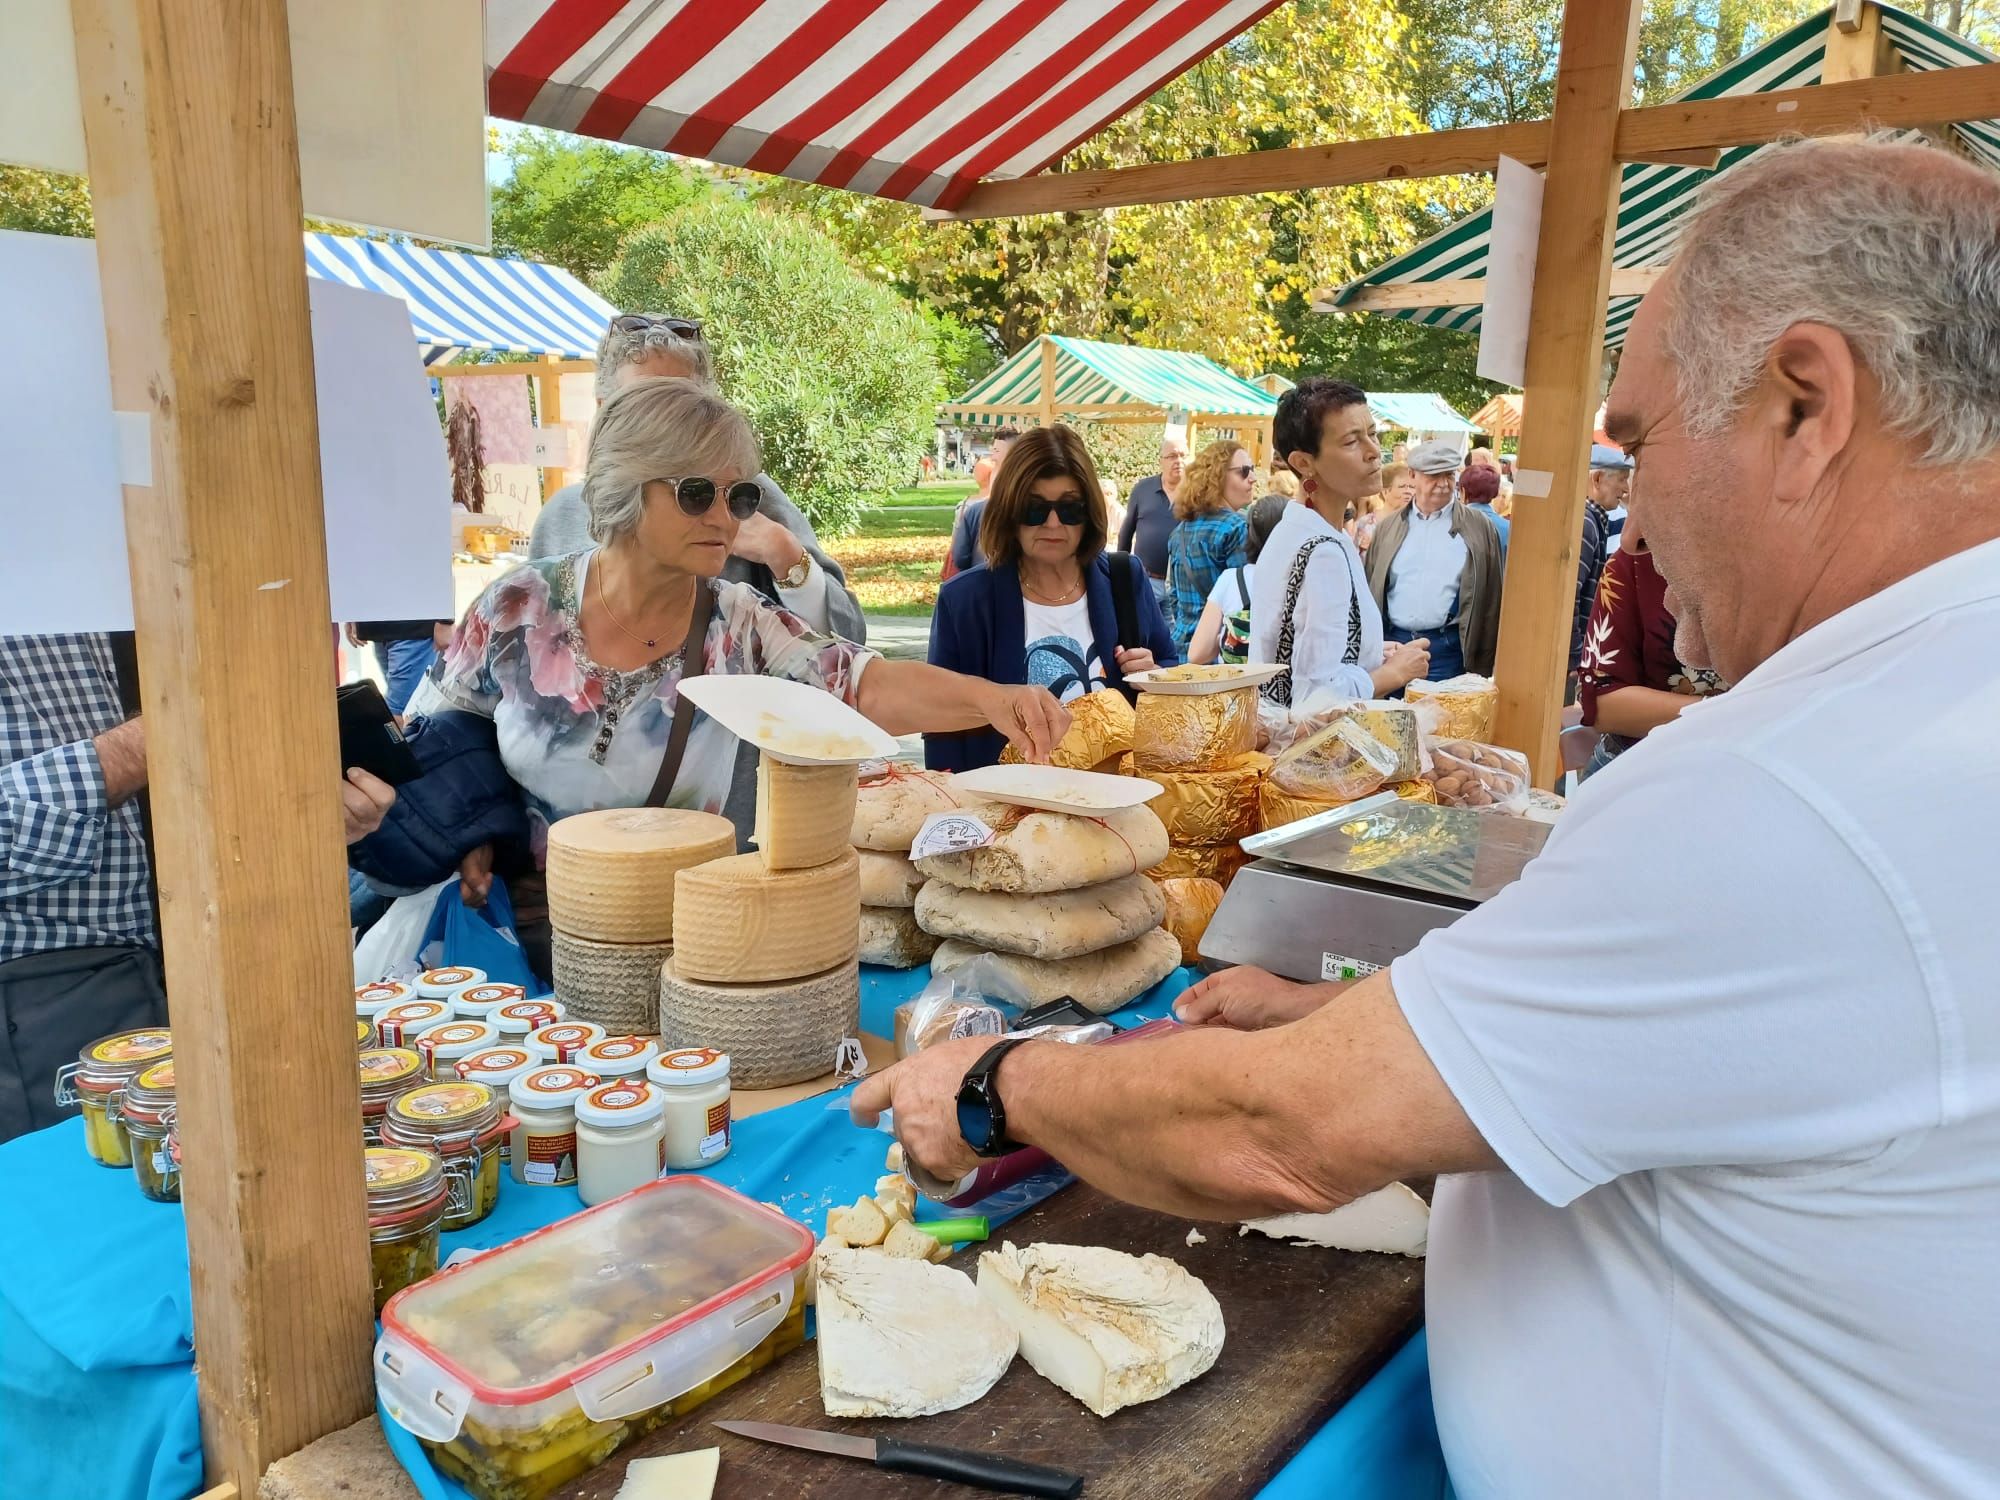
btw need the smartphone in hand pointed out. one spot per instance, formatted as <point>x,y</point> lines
<point>370,738</point>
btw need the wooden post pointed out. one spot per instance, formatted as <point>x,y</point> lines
<point>194,177</point>
<point>548,412</point>
<point>1045,407</point>
<point>1857,46</point>
<point>1564,375</point>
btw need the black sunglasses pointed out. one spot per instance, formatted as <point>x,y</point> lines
<point>1069,512</point>
<point>696,496</point>
<point>1244,471</point>
<point>680,328</point>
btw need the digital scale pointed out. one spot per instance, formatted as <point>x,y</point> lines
<point>1343,893</point>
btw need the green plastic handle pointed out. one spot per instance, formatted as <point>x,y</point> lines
<point>955,1231</point>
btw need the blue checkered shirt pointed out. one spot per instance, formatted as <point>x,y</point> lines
<point>73,870</point>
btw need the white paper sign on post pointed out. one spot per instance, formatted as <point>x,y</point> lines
<point>1510,273</point>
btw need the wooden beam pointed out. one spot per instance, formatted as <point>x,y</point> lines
<point>1857,47</point>
<point>1396,296</point>
<point>1901,100</point>
<point>1045,409</point>
<point>1564,376</point>
<point>548,412</point>
<point>193,155</point>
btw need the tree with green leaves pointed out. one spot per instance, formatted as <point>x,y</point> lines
<point>44,202</point>
<point>573,202</point>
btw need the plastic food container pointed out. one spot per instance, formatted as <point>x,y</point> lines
<point>444,984</point>
<point>561,1042</point>
<point>695,1083</point>
<point>406,1199</point>
<point>385,1073</point>
<point>524,1367</point>
<point>462,1124</point>
<point>541,1152</point>
<point>443,1046</point>
<point>477,1002</point>
<point>518,1019</point>
<point>401,1025</point>
<point>94,1081</point>
<point>147,1110</point>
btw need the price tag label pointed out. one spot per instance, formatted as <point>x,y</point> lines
<point>950,833</point>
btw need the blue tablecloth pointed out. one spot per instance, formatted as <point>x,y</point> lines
<point>97,1387</point>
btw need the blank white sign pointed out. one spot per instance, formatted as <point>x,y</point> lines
<point>382,458</point>
<point>1510,273</point>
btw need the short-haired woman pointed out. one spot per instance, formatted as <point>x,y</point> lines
<point>578,659</point>
<point>1224,631</point>
<point>1207,538</point>
<point>1045,607</point>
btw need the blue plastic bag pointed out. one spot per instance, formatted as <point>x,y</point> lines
<point>478,937</point>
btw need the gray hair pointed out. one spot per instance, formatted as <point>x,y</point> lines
<point>618,349</point>
<point>1896,245</point>
<point>660,428</point>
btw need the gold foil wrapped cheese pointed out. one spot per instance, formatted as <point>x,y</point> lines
<point>1340,762</point>
<point>1100,729</point>
<point>1208,807</point>
<point>1191,904</point>
<point>1217,862</point>
<point>1466,703</point>
<point>1395,725</point>
<point>1276,807</point>
<point>1193,732</point>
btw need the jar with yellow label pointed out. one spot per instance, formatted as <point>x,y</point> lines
<point>561,1042</point>
<point>386,1073</point>
<point>442,1046</point>
<point>96,1079</point>
<point>461,1123</point>
<point>694,1081</point>
<point>620,1139</point>
<point>518,1019</point>
<point>542,1150</point>
<point>444,984</point>
<point>370,1000</point>
<point>147,1110</point>
<point>401,1025</point>
<point>364,1034</point>
<point>406,1203</point>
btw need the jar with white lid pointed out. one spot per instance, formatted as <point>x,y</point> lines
<point>695,1084</point>
<point>496,1067</point>
<point>617,1057</point>
<point>370,1000</point>
<point>97,1079</point>
<point>442,1046</point>
<point>147,1108</point>
<point>387,1073</point>
<point>561,1042</point>
<point>444,984</point>
<point>461,1123</point>
<point>621,1132</point>
<point>520,1017</point>
<point>542,1148</point>
<point>401,1025</point>
<point>477,1002</point>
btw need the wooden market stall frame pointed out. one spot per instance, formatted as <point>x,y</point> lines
<point>193,159</point>
<point>547,373</point>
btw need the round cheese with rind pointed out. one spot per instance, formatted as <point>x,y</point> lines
<point>1208,807</point>
<point>1217,862</point>
<point>1100,981</point>
<point>736,922</point>
<point>1051,851</point>
<point>775,1034</point>
<point>1057,924</point>
<point>611,873</point>
<point>1191,903</point>
<point>1193,731</point>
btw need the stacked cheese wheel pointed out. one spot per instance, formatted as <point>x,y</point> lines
<point>1200,747</point>
<point>1061,901</point>
<point>611,905</point>
<point>763,963</point>
<point>892,805</point>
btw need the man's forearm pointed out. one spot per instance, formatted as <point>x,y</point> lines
<point>1636,712</point>
<point>121,752</point>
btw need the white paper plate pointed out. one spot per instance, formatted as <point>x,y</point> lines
<point>1054,789</point>
<point>806,726</point>
<point>1219,678</point>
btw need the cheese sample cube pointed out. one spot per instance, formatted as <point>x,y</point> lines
<point>737,922</point>
<point>804,813</point>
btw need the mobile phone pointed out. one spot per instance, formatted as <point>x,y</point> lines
<point>370,738</point>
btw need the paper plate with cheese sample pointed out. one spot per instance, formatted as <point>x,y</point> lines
<point>1057,789</point>
<point>789,721</point>
<point>1190,680</point>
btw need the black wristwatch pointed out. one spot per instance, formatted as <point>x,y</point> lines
<point>982,1119</point>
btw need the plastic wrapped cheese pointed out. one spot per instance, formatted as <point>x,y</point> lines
<point>1208,807</point>
<point>1193,731</point>
<point>1100,729</point>
<point>1341,762</point>
<point>1191,904</point>
<point>1217,862</point>
<point>1394,725</point>
<point>1467,704</point>
<point>1276,807</point>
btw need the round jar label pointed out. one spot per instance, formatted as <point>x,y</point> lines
<point>690,1059</point>
<point>159,1076</point>
<point>557,1080</point>
<point>387,1064</point>
<point>526,1010</point>
<point>447,976</point>
<point>458,1034</point>
<point>441,1102</point>
<point>415,1010</point>
<point>132,1047</point>
<point>363,1030</point>
<point>389,1167</point>
<point>494,1060</point>
<point>616,1051</point>
<point>489,994</point>
<point>619,1096</point>
<point>383,994</point>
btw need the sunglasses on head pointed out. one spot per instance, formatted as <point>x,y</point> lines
<point>680,328</point>
<point>1070,512</point>
<point>696,496</point>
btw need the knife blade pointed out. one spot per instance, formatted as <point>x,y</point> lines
<point>984,1471</point>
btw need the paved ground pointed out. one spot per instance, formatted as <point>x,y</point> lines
<point>902,638</point>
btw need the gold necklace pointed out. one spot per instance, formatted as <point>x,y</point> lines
<point>603,598</point>
<point>1069,595</point>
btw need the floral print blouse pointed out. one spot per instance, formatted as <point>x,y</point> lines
<point>578,736</point>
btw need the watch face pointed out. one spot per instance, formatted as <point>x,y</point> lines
<point>975,1118</point>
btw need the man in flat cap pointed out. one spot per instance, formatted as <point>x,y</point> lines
<point>1434,568</point>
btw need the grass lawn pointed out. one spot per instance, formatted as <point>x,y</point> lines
<point>893,562</point>
<point>938,492</point>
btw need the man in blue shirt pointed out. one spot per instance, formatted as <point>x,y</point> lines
<point>1149,513</point>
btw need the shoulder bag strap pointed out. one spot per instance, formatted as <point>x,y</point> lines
<point>1279,689</point>
<point>1124,601</point>
<point>1242,588</point>
<point>694,661</point>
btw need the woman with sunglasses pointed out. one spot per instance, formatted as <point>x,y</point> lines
<point>1044,608</point>
<point>578,659</point>
<point>1209,532</point>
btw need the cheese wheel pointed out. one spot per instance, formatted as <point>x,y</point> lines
<point>1193,732</point>
<point>888,879</point>
<point>1100,981</point>
<point>1060,924</point>
<point>1191,903</point>
<point>1052,851</point>
<point>775,1034</point>
<point>1217,862</point>
<point>804,813</point>
<point>611,873</point>
<point>1207,807</point>
<point>616,985</point>
<point>891,937</point>
<point>1276,807</point>
<point>1100,729</point>
<point>736,922</point>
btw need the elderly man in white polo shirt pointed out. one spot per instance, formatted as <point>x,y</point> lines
<point>1721,1206</point>
<point>1435,569</point>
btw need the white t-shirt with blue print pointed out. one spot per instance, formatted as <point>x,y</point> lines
<point>1061,657</point>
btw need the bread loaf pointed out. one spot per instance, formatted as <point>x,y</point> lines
<point>891,804</point>
<point>736,922</point>
<point>888,879</point>
<point>1100,981</point>
<point>1051,851</point>
<point>611,873</point>
<point>1060,924</point>
<point>891,937</point>
<point>1191,904</point>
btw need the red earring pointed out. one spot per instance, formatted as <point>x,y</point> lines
<point>1309,484</point>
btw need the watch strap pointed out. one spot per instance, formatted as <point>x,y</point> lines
<point>984,1075</point>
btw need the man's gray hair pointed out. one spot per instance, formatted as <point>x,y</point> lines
<point>1894,244</point>
<point>660,428</point>
<point>618,349</point>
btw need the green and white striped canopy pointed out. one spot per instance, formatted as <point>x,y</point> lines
<point>1090,374</point>
<point>1653,199</point>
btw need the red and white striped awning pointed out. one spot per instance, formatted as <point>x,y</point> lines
<point>909,99</point>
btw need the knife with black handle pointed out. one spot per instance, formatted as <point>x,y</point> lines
<point>1007,1476</point>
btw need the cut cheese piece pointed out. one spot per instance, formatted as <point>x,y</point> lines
<point>1191,904</point>
<point>891,937</point>
<point>804,813</point>
<point>888,879</point>
<point>892,803</point>
<point>775,1034</point>
<point>1193,732</point>
<point>677,1476</point>
<point>1100,730</point>
<point>900,1337</point>
<point>1059,924</point>
<point>611,873</point>
<point>1208,807</point>
<point>1391,1221</point>
<point>1100,981</point>
<point>736,922</point>
<point>1035,852</point>
<point>1111,1329</point>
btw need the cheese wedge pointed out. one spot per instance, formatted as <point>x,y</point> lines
<point>1390,1221</point>
<point>677,1476</point>
<point>804,813</point>
<point>900,1337</point>
<point>737,922</point>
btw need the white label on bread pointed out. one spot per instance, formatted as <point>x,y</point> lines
<point>950,833</point>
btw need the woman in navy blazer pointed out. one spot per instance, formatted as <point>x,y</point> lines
<point>1043,608</point>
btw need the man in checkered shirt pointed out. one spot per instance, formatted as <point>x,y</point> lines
<point>79,947</point>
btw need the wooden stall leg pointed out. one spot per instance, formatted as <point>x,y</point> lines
<point>194,177</point>
<point>549,412</point>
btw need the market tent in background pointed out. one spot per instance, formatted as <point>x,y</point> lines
<point>1422,414</point>
<point>1502,415</point>
<point>1063,377</point>
<point>1438,283</point>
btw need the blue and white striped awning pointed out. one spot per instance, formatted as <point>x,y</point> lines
<point>460,302</point>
